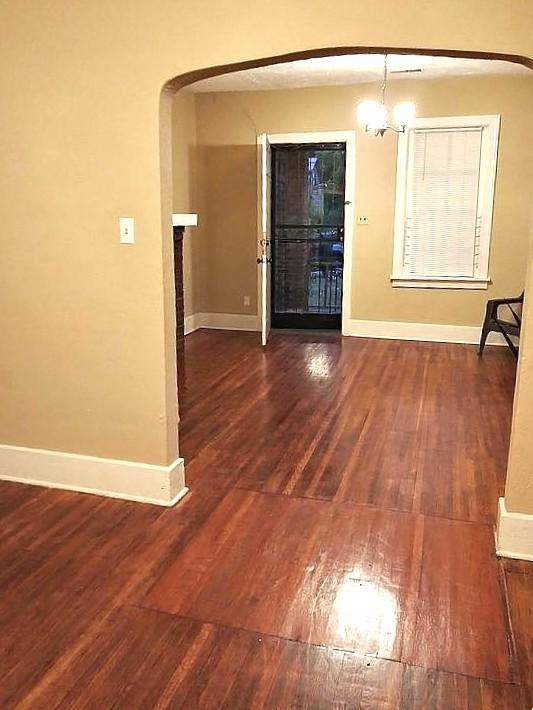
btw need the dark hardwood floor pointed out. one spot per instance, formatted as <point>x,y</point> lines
<point>336,549</point>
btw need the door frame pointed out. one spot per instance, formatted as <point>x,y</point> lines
<point>347,137</point>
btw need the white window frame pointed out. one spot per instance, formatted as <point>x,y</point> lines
<point>487,180</point>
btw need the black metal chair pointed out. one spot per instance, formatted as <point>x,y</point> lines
<point>508,328</point>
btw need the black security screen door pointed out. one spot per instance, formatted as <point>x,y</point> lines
<point>307,235</point>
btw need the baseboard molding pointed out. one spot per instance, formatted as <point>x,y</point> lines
<point>221,321</point>
<point>514,534</point>
<point>390,330</point>
<point>191,323</point>
<point>431,332</point>
<point>129,480</point>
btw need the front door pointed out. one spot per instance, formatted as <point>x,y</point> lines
<point>264,258</point>
<point>308,193</point>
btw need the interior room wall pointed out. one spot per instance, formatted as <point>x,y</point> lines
<point>227,126</point>
<point>519,484</point>
<point>87,361</point>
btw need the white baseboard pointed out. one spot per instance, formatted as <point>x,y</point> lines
<point>514,534</point>
<point>129,480</point>
<point>391,330</point>
<point>222,321</point>
<point>191,323</point>
<point>432,332</point>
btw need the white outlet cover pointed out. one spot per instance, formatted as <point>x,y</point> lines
<point>127,230</point>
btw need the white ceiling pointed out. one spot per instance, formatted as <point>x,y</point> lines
<point>351,69</point>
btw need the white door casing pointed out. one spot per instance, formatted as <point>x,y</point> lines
<point>347,137</point>
<point>264,258</point>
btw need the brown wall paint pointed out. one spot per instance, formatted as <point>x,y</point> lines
<point>226,132</point>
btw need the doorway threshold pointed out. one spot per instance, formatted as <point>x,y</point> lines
<point>323,332</point>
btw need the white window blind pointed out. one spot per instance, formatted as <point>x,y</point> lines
<point>442,225</point>
<point>444,193</point>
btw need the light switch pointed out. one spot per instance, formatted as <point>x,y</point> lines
<point>362,220</point>
<point>127,230</point>
<point>246,300</point>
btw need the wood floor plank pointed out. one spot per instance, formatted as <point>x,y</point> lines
<point>412,426</point>
<point>303,569</point>
<point>144,659</point>
<point>460,619</point>
<point>329,478</point>
<point>520,591</point>
<point>350,577</point>
<point>463,434</point>
<point>52,594</point>
<point>427,688</point>
<point>14,496</point>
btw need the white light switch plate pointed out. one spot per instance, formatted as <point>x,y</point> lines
<point>127,230</point>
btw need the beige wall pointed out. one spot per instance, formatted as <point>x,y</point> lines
<point>87,362</point>
<point>519,484</point>
<point>228,124</point>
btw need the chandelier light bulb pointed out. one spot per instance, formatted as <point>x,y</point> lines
<point>372,116</point>
<point>404,114</point>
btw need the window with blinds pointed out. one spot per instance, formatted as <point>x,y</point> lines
<point>445,187</point>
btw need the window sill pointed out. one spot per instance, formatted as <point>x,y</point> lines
<point>451,283</point>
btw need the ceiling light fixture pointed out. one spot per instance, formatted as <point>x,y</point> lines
<point>372,115</point>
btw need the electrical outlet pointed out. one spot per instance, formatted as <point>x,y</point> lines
<point>362,220</point>
<point>127,230</point>
<point>246,300</point>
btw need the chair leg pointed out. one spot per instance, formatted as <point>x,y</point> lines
<point>484,334</point>
<point>512,346</point>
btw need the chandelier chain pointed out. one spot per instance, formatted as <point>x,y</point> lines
<point>372,115</point>
<point>384,85</point>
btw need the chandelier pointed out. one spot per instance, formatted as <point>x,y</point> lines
<point>373,115</point>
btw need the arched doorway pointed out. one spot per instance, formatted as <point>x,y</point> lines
<point>191,77</point>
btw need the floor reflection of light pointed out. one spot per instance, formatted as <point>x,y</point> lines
<point>319,366</point>
<point>365,609</point>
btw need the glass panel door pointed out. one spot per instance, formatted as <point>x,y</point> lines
<point>308,235</point>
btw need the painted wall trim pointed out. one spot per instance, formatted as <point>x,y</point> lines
<point>391,330</point>
<point>222,321</point>
<point>490,127</point>
<point>191,323</point>
<point>469,284</point>
<point>128,480</point>
<point>432,332</point>
<point>514,534</point>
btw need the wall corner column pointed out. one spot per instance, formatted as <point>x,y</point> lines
<point>514,533</point>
